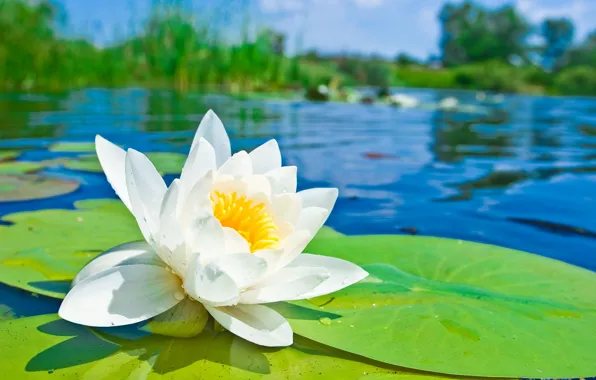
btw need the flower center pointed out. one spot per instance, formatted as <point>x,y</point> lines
<point>251,220</point>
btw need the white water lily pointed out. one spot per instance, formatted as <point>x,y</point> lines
<point>227,236</point>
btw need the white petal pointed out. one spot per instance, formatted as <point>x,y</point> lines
<point>287,207</point>
<point>257,186</point>
<point>311,219</point>
<point>138,252</point>
<point>271,256</point>
<point>112,160</point>
<point>206,236</point>
<point>200,161</point>
<point>285,285</point>
<point>293,246</point>
<point>244,268</point>
<point>212,130</point>
<point>235,243</point>
<point>146,189</point>
<point>171,238</point>
<point>185,320</point>
<point>196,201</point>
<point>266,157</point>
<point>121,296</point>
<point>341,273</point>
<point>209,284</point>
<point>255,323</point>
<point>319,197</point>
<point>239,165</point>
<point>282,180</point>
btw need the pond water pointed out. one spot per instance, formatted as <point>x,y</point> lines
<point>520,173</point>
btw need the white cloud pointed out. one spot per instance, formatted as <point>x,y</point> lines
<point>369,3</point>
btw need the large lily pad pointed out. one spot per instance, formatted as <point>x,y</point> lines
<point>35,346</point>
<point>166,163</point>
<point>43,250</point>
<point>66,146</point>
<point>456,307</point>
<point>27,187</point>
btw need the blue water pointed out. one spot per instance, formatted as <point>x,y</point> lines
<point>519,174</point>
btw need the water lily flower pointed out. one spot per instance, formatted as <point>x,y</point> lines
<point>226,238</point>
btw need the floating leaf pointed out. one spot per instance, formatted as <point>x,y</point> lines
<point>166,163</point>
<point>63,146</point>
<point>27,187</point>
<point>8,154</point>
<point>43,250</point>
<point>35,346</point>
<point>456,307</point>
<point>21,167</point>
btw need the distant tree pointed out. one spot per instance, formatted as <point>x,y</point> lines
<point>558,37</point>
<point>404,59</point>
<point>583,54</point>
<point>472,33</point>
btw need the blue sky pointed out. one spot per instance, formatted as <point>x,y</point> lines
<point>368,26</point>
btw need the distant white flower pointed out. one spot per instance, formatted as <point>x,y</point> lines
<point>227,236</point>
<point>448,103</point>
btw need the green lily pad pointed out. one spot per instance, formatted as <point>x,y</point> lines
<point>21,167</point>
<point>27,187</point>
<point>63,146</point>
<point>8,154</point>
<point>34,347</point>
<point>166,163</point>
<point>456,307</point>
<point>43,250</point>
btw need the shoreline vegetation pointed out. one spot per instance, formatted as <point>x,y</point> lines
<point>481,49</point>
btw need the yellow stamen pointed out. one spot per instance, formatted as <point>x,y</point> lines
<point>251,221</point>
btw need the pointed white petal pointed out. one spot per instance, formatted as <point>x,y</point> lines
<point>319,197</point>
<point>121,296</point>
<point>209,284</point>
<point>239,165</point>
<point>255,323</point>
<point>138,252</point>
<point>311,219</point>
<point>341,273</point>
<point>171,239</point>
<point>206,236</point>
<point>235,243</point>
<point>266,157</point>
<point>200,161</point>
<point>146,189</point>
<point>244,268</point>
<point>112,160</point>
<point>285,285</point>
<point>293,246</point>
<point>185,320</point>
<point>196,201</point>
<point>282,180</point>
<point>286,208</point>
<point>212,130</point>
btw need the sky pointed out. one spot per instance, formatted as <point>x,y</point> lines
<point>385,27</point>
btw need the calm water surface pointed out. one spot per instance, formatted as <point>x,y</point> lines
<point>519,174</point>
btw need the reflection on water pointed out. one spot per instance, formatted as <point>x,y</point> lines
<point>518,174</point>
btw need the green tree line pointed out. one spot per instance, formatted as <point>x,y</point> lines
<point>481,48</point>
